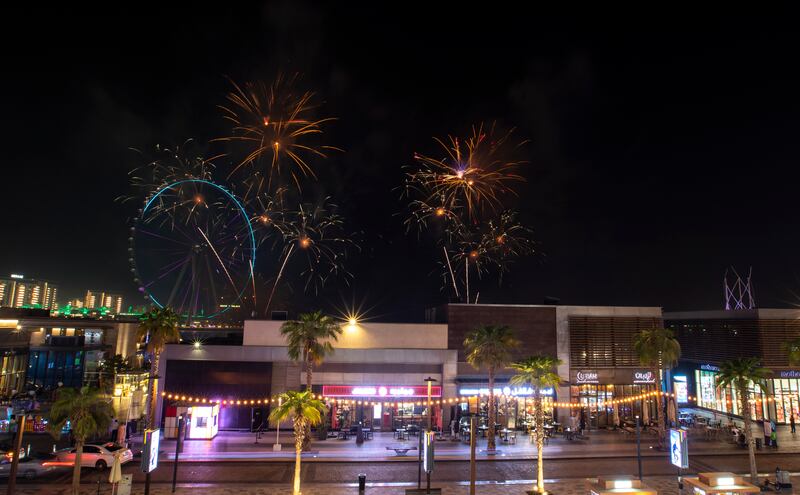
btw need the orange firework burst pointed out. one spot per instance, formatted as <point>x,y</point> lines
<point>275,125</point>
<point>473,173</point>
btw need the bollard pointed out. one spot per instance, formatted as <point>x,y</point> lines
<point>362,483</point>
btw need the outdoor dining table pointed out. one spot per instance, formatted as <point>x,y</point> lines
<point>401,434</point>
<point>483,429</point>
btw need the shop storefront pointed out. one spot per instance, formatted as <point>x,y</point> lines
<point>726,399</point>
<point>382,407</point>
<point>612,397</point>
<point>514,403</point>
<point>786,392</point>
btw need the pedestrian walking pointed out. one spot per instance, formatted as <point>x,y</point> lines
<point>774,439</point>
<point>791,422</point>
<point>767,433</point>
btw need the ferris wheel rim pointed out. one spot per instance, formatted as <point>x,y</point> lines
<point>240,209</point>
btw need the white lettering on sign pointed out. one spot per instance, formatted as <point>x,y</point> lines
<point>382,391</point>
<point>644,377</point>
<point>512,391</point>
<point>586,377</point>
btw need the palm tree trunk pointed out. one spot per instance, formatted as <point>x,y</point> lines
<point>662,415</point>
<point>76,469</point>
<point>539,422</point>
<point>151,419</point>
<point>299,434</point>
<point>748,434</point>
<point>309,377</point>
<point>491,410</point>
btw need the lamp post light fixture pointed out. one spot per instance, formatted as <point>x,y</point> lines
<point>429,381</point>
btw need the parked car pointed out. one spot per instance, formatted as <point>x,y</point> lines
<point>98,456</point>
<point>30,467</point>
<point>8,451</point>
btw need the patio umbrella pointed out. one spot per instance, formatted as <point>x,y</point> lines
<point>645,412</point>
<point>116,472</point>
<point>671,412</point>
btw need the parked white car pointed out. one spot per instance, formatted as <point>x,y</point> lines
<point>99,456</point>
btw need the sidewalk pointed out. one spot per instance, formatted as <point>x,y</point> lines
<point>665,485</point>
<point>600,443</point>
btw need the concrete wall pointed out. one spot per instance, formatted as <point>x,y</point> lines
<point>360,336</point>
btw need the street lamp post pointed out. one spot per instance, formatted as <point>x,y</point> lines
<point>277,446</point>
<point>639,446</point>
<point>12,475</point>
<point>429,381</point>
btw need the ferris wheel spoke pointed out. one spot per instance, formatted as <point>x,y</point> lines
<point>178,280</point>
<point>153,234</point>
<point>219,259</point>
<point>212,285</point>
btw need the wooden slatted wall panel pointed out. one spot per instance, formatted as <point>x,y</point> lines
<point>600,342</point>
<point>713,341</point>
<point>773,333</point>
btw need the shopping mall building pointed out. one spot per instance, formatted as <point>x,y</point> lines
<point>377,373</point>
<point>708,338</point>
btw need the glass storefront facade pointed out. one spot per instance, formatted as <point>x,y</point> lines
<point>48,368</point>
<point>786,392</point>
<point>601,414</point>
<point>12,375</point>
<point>726,399</point>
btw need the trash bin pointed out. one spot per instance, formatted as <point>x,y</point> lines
<point>758,443</point>
<point>362,483</point>
<point>782,478</point>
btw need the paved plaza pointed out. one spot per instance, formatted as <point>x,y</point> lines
<point>665,485</point>
<point>597,443</point>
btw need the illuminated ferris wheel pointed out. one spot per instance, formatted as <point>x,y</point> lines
<point>193,249</point>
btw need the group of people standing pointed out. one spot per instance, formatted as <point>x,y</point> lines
<point>771,431</point>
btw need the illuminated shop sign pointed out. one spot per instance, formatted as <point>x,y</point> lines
<point>644,377</point>
<point>709,367</point>
<point>514,391</point>
<point>394,391</point>
<point>789,374</point>
<point>680,385</point>
<point>587,377</point>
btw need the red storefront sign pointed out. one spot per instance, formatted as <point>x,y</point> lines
<point>391,391</point>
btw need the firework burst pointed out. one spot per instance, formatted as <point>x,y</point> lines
<point>314,238</point>
<point>273,123</point>
<point>472,175</point>
<point>460,199</point>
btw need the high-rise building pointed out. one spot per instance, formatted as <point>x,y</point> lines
<point>96,299</point>
<point>75,303</point>
<point>16,291</point>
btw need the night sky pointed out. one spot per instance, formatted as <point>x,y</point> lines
<point>662,150</point>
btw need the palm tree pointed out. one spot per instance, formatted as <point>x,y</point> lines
<point>490,346</point>
<point>305,411</point>
<point>308,340</point>
<point>740,373</point>
<point>89,414</point>
<point>792,349</point>
<point>540,373</point>
<point>109,368</point>
<point>157,328</point>
<point>658,350</point>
